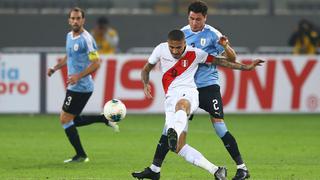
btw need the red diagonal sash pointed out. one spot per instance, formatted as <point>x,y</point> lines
<point>181,66</point>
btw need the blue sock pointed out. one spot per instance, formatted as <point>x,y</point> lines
<point>220,128</point>
<point>68,124</point>
<point>74,138</point>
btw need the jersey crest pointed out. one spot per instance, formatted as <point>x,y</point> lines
<point>184,63</point>
<point>76,47</point>
<point>203,41</point>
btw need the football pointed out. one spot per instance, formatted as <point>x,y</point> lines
<point>114,110</point>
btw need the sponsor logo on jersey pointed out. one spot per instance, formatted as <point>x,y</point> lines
<point>167,59</point>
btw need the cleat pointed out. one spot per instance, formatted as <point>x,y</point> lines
<point>114,126</point>
<point>172,139</point>
<point>241,174</point>
<point>147,173</point>
<point>77,159</point>
<point>221,174</point>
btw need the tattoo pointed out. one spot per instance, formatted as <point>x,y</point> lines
<point>223,61</point>
<point>145,73</point>
<point>145,77</point>
<point>242,67</point>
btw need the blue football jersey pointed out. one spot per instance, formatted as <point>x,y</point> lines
<point>78,49</point>
<point>207,40</point>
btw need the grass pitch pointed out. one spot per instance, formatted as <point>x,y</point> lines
<point>274,147</point>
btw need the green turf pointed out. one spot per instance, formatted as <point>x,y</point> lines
<point>275,147</point>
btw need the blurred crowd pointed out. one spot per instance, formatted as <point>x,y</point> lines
<point>305,39</point>
<point>106,37</point>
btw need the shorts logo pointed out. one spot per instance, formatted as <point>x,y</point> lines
<point>184,63</point>
<point>203,41</point>
<point>76,47</point>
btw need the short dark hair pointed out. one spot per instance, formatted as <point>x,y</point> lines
<point>198,7</point>
<point>77,9</point>
<point>176,35</point>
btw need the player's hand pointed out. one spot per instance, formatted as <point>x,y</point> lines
<point>257,62</point>
<point>223,41</point>
<point>147,90</point>
<point>73,79</point>
<point>50,71</point>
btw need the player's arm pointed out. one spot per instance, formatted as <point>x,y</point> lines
<point>228,50</point>
<point>61,62</point>
<point>94,65</point>
<point>145,74</point>
<point>224,62</point>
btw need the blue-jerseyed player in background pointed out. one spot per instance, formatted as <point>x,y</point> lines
<point>82,59</point>
<point>203,36</point>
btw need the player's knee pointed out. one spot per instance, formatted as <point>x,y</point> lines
<point>215,120</point>
<point>183,104</point>
<point>66,117</point>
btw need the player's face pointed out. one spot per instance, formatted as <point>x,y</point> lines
<point>76,21</point>
<point>196,21</point>
<point>176,48</point>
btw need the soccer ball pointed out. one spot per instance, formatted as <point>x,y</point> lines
<point>114,110</point>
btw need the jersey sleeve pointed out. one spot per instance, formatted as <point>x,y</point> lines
<point>91,47</point>
<point>216,35</point>
<point>204,57</point>
<point>155,55</point>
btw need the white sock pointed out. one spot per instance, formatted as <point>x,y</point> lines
<point>195,157</point>
<point>155,168</point>
<point>242,166</point>
<point>180,121</point>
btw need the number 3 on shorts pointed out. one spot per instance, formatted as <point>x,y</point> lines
<point>68,102</point>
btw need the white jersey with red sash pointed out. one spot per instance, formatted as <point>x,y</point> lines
<point>178,74</point>
<point>178,78</point>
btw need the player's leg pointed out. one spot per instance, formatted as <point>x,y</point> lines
<point>85,120</point>
<point>153,171</point>
<point>66,120</point>
<point>72,106</point>
<point>210,100</point>
<point>194,157</point>
<point>186,105</point>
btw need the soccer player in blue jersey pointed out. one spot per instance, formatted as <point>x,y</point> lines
<point>203,36</point>
<point>82,59</point>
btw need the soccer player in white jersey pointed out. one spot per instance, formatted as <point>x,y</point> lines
<point>203,36</point>
<point>82,59</point>
<point>179,64</point>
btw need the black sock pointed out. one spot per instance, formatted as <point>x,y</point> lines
<point>87,120</point>
<point>231,145</point>
<point>161,151</point>
<point>74,139</point>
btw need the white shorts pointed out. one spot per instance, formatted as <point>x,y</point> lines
<point>172,97</point>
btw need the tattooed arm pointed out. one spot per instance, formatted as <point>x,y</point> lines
<point>145,79</point>
<point>223,61</point>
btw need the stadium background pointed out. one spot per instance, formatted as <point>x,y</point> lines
<point>277,104</point>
